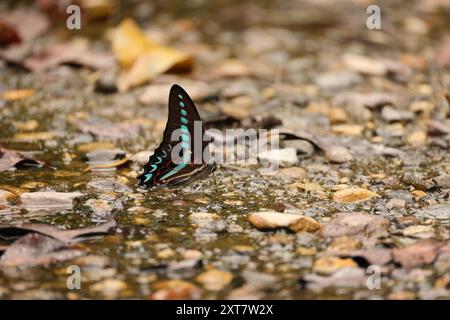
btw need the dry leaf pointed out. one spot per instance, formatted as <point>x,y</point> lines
<point>141,59</point>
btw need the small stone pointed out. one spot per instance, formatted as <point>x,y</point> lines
<point>419,253</point>
<point>203,216</point>
<point>165,254</point>
<point>99,206</point>
<point>233,68</point>
<point>329,265</point>
<point>109,185</point>
<point>348,129</point>
<point>338,80</point>
<point>440,212</point>
<point>356,224</point>
<point>418,194</point>
<point>259,280</point>
<point>293,172</point>
<point>267,220</point>
<point>396,203</point>
<point>239,107</point>
<point>442,181</point>
<point>48,199</point>
<point>175,290</point>
<point>338,154</point>
<point>402,295</point>
<point>337,115</point>
<point>391,114</point>
<point>141,157</point>
<point>111,288</point>
<point>5,196</point>
<point>365,65</point>
<point>303,147</point>
<point>417,139</point>
<point>419,231</point>
<point>306,251</point>
<point>214,279</point>
<point>282,157</point>
<point>352,195</point>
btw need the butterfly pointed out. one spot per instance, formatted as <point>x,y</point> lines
<point>183,155</point>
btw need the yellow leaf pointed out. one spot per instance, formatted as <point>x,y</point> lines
<point>141,59</point>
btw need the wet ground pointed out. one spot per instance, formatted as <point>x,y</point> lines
<point>368,117</point>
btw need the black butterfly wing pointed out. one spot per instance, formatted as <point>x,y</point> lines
<point>179,157</point>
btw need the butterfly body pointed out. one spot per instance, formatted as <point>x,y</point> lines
<point>174,162</point>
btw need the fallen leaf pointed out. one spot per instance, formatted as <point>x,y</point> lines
<point>141,59</point>
<point>75,52</point>
<point>11,232</point>
<point>36,249</point>
<point>28,24</point>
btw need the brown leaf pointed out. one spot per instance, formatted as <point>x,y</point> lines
<point>75,52</point>
<point>9,232</point>
<point>105,128</point>
<point>141,59</point>
<point>36,249</point>
<point>27,23</point>
<point>419,253</point>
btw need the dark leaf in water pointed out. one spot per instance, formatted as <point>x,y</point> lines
<point>11,232</point>
<point>36,249</point>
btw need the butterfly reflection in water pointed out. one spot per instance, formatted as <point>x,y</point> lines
<point>191,163</point>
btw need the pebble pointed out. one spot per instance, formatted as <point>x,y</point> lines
<point>365,65</point>
<point>175,290</point>
<point>5,196</point>
<point>338,154</point>
<point>214,279</point>
<point>48,199</point>
<point>292,172</point>
<point>395,203</point>
<point>417,139</point>
<point>329,265</point>
<point>267,220</point>
<point>338,80</point>
<point>337,115</point>
<point>352,195</point>
<point>109,185</point>
<point>440,212</point>
<point>356,224</point>
<point>282,157</point>
<point>442,181</point>
<point>391,114</point>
